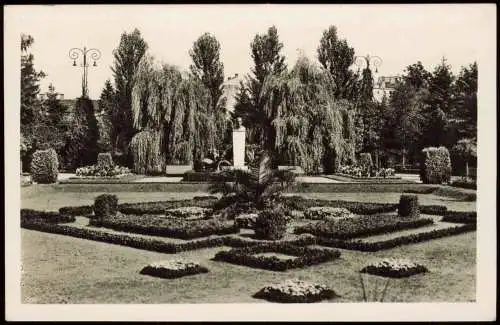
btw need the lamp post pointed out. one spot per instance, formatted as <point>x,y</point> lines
<point>360,62</point>
<point>94,54</point>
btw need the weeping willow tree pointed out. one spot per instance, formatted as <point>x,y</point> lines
<point>171,111</point>
<point>296,118</point>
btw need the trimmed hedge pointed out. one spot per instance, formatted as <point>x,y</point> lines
<point>105,205</point>
<point>408,206</point>
<point>83,210</point>
<point>470,184</point>
<point>435,167</point>
<point>105,160</point>
<point>305,256</point>
<point>395,242</point>
<point>460,217</point>
<point>44,166</point>
<point>34,216</point>
<point>160,207</point>
<point>271,224</point>
<point>173,228</point>
<point>361,227</point>
<point>433,209</point>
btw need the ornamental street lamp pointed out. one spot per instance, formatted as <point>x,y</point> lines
<point>94,54</point>
<point>360,62</point>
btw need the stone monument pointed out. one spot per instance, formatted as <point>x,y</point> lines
<point>239,146</point>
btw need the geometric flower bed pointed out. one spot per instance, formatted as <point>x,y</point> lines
<point>158,225</point>
<point>171,269</point>
<point>304,256</point>
<point>189,213</point>
<point>326,213</point>
<point>296,291</point>
<point>102,171</point>
<point>361,226</point>
<point>394,268</point>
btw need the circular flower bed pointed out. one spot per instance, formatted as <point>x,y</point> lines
<point>394,268</point>
<point>173,269</point>
<point>296,291</point>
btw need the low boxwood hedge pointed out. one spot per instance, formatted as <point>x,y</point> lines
<point>395,242</point>
<point>302,204</point>
<point>305,256</point>
<point>173,273</point>
<point>83,210</point>
<point>361,226</point>
<point>29,215</point>
<point>460,217</point>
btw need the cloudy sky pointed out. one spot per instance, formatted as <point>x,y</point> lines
<point>399,34</point>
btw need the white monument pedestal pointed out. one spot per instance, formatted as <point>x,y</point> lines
<point>239,147</point>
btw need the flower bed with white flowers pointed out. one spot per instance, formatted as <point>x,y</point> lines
<point>171,269</point>
<point>189,213</point>
<point>394,268</point>
<point>363,172</point>
<point>327,213</point>
<point>296,291</point>
<point>103,171</point>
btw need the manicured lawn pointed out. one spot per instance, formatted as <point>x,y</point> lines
<point>61,269</point>
<point>51,200</point>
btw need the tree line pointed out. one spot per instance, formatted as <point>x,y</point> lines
<point>318,115</point>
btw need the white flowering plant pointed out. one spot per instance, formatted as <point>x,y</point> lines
<point>394,268</point>
<point>173,268</point>
<point>327,213</point>
<point>190,212</point>
<point>102,171</point>
<point>296,291</point>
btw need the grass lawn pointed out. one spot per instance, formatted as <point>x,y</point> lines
<point>61,269</point>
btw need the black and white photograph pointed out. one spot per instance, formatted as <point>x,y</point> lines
<point>250,162</point>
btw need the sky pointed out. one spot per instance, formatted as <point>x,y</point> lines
<point>399,34</point>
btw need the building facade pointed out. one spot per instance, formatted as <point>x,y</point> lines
<point>384,86</point>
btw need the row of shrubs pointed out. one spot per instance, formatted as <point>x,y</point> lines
<point>395,242</point>
<point>361,227</point>
<point>460,217</point>
<point>305,256</point>
<point>33,216</point>
<point>467,183</point>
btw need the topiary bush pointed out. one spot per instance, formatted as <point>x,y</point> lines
<point>105,160</point>
<point>105,205</point>
<point>44,166</point>
<point>408,206</point>
<point>365,160</point>
<point>271,224</point>
<point>435,167</point>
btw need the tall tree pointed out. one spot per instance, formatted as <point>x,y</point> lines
<point>107,105</point>
<point>208,68</point>
<point>466,94</point>
<point>336,56</point>
<point>172,112</point>
<point>440,105</point>
<point>250,100</point>
<point>30,103</point>
<point>126,60</point>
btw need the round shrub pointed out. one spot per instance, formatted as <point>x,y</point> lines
<point>105,160</point>
<point>408,206</point>
<point>44,166</point>
<point>435,167</point>
<point>271,224</point>
<point>105,205</point>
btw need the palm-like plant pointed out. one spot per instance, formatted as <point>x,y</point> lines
<point>259,188</point>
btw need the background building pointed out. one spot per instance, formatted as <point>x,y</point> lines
<point>384,87</point>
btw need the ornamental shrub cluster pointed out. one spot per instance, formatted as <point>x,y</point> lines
<point>435,167</point>
<point>44,166</point>
<point>105,160</point>
<point>408,206</point>
<point>271,224</point>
